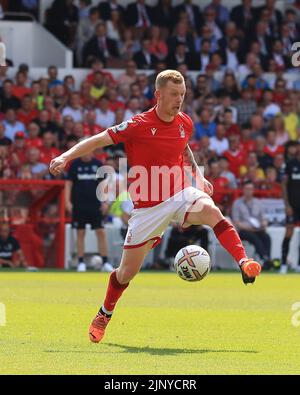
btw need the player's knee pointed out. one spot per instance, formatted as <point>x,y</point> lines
<point>212,212</point>
<point>125,274</point>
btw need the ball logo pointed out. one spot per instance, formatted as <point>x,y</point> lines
<point>2,54</point>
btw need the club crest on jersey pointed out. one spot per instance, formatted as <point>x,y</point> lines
<point>153,130</point>
<point>182,131</point>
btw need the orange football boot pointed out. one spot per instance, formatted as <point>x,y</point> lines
<point>97,327</point>
<point>250,270</point>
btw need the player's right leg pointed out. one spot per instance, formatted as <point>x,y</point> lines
<point>205,212</point>
<point>131,262</point>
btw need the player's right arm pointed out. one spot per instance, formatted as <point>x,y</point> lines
<point>58,164</point>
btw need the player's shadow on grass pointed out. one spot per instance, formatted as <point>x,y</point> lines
<point>174,351</point>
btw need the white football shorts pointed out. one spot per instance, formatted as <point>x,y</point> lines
<point>150,223</point>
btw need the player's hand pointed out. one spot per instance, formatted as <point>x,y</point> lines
<point>208,188</point>
<point>57,165</point>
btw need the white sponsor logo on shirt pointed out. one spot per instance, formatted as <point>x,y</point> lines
<point>153,130</point>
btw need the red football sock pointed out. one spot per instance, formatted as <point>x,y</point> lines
<point>113,293</point>
<point>230,240</point>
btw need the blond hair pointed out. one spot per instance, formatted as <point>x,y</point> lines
<point>168,75</point>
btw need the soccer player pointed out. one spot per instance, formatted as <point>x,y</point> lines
<point>158,138</point>
<point>291,195</point>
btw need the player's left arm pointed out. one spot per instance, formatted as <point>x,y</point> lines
<point>202,182</point>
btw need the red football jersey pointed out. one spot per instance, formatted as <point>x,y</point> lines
<point>151,143</point>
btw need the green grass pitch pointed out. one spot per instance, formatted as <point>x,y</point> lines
<point>162,325</point>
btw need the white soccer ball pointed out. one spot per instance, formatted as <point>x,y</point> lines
<point>96,262</point>
<point>192,263</point>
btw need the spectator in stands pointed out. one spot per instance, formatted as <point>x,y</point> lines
<point>62,19</point>
<point>257,125</point>
<point>20,89</point>
<point>144,59</point>
<point>205,127</point>
<point>44,123</point>
<point>220,185</point>
<point>210,19</point>
<point>229,86</point>
<point>11,254</point>
<point>219,143</point>
<point>98,87</point>
<point>158,46</point>
<point>69,84</point>
<point>115,26</point>
<point>271,109</point>
<point>33,140</point>
<point>244,16</point>
<point>86,30</point>
<point>138,15</point>
<point>83,204</point>
<point>192,12</point>
<point>282,136</point>
<point>163,15</point>
<point>74,109</point>
<point>5,169</point>
<point>128,45</point>
<point>90,127</point>
<point>130,75</point>
<point>181,35</point>
<point>263,158</point>
<point>290,118</point>
<point>53,76</point>
<point>247,142</point>
<point>100,46</point>
<point>222,12</point>
<point>37,168</point>
<point>178,57</point>
<point>225,172</point>
<point>26,113</point>
<point>104,117</point>
<point>246,106</point>
<point>7,98</point>
<point>107,7</point>
<point>252,162</point>
<point>248,216</point>
<point>201,59</point>
<point>48,151</point>
<point>133,108</point>
<point>3,139</point>
<point>11,125</point>
<point>18,152</point>
<point>271,147</point>
<point>234,154</point>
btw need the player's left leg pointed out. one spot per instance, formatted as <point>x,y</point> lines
<point>131,262</point>
<point>205,212</point>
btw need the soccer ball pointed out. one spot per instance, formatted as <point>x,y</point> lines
<point>192,263</point>
<point>96,262</point>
